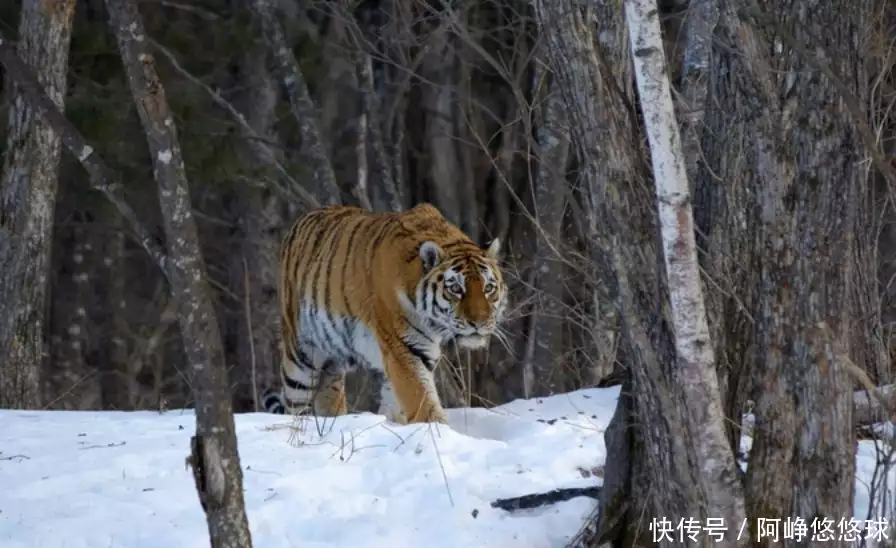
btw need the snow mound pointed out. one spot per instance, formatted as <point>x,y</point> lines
<point>118,479</point>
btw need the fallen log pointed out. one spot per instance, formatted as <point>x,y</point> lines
<point>542,499</point>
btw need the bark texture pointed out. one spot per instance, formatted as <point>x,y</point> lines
<point>798,196</point>
<point>28,203</point>
<point>215,459</point>
<point>592,75</point>
<point>300,100</point>
<point>550,198</point>
<point>702,16</point>
<point>695,368</point>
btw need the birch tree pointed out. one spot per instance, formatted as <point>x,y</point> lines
<point>591,73</point>
<point>694,372</point>
<point>28,203</point>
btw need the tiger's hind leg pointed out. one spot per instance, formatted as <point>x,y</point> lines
<point>329,397</point>
<point>312,384</point>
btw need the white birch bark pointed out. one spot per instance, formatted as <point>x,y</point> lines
<point>695,368</point>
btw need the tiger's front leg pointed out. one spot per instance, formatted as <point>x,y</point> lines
<point>414,387</point>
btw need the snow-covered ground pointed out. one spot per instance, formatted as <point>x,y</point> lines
<point>112,479</point>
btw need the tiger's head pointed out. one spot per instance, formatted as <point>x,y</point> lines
<point>461,294</point>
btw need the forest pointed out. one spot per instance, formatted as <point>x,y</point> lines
<point>694,199</point>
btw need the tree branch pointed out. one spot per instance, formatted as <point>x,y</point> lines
<point>300,100</point>
<point>214,452</point>
<point>101,177</point>
<point>874,405</point>
<point>258,144</point>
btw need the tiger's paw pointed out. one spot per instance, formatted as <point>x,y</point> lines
<point>435,415</point>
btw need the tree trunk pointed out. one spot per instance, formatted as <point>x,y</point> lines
<point>28,202</point>
<point>725,224</point>
<point>381,173</point>
<point>540,373</point>
<point>73,381</point>
<point>214,458</point>
<point>694,371</point>
<point>702,16</point>
<point>336,108</point>
<point>303,108</point>
<point>255,262</point>
<point>805,187</point>
<point>439,105</point>
<point>660,451</point>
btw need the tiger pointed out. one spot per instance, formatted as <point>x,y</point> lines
<point>381,291</point>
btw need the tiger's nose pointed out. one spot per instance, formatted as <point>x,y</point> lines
<point>480,324</point>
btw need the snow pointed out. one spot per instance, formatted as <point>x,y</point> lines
<point>119,479</point>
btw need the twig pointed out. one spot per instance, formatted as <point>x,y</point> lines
<point>204,13</point>
<point>113,444</point>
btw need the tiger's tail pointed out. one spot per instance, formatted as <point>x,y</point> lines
<point>272,401</point>
<point>298,382</point>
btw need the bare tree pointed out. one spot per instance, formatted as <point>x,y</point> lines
<point>550,199</point>
<point>259,214</point>
<point>695,369</point>
<point>214,458</point>
<point>621,219</point>
<point>701,22</point>
<point>804,190</point>
<point>300,100</point>
<point>28,203</point>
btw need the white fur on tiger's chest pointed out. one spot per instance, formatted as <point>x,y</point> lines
<point>345,340</point>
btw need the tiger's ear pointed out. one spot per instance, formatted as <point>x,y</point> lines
<point>493,249</point>
<point>430,254</point>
